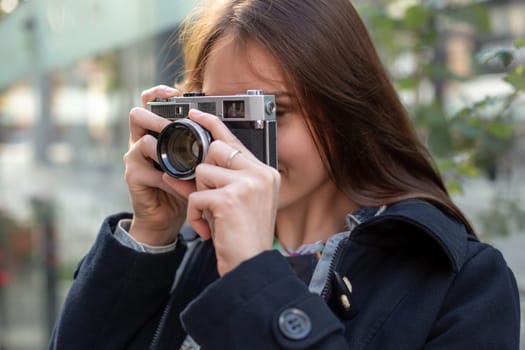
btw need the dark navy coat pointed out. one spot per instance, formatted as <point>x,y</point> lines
<point>418,280</point>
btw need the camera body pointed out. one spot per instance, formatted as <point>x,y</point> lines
<point>183,144</point>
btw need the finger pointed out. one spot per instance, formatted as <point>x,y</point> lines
<point>182,187</point>
<point>216,127</point>
<point>201,227</point>
<point>209,176</point>
<point>141,121</point>
<point>140,170</point>
<point>141,155</point>
<point>147,146</point>
<point>227,156</point>
<point>197,205</point>
<point>143,149</point>
<point>138,166</point>
<point>159,91</point>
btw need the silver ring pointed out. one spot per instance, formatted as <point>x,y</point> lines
<point>230,158</point>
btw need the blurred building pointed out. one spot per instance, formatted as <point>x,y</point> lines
<point>69,73</point>
<point>463,42</point>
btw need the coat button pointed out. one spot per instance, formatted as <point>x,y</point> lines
<point>295,324</point>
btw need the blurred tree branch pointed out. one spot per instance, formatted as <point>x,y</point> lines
<point>431,48</point>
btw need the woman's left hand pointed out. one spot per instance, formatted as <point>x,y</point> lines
<point>235,202</point>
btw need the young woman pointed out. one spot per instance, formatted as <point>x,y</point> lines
<point>351,243</point>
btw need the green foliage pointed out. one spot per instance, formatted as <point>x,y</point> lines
<point>505,55</point>
<point>519,43</point>
<point>412,40</point>
<point>471,137</point>
<point>516,78</point>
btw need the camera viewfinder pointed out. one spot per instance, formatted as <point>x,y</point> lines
<point>233,109</point>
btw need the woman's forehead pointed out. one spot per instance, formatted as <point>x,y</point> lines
<point>233,68</point>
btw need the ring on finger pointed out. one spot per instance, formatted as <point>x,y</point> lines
<point>230,158</point>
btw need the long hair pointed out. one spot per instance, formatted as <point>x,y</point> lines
<point>353,112</point>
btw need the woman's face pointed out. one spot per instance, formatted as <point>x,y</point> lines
<point>233,70</point>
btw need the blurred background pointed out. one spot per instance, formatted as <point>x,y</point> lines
<point>70,70</point>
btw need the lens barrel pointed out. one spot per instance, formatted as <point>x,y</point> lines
<point>181,146</point>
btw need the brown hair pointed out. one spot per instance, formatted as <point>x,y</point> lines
<point>352,110</point>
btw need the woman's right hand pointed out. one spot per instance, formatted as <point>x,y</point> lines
<point>159,210</point>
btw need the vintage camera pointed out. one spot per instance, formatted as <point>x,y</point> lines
<point>183,144</point>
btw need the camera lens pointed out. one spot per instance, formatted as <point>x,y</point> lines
<point>182,145</point>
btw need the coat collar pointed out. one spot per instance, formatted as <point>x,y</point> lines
<point>447,233</point>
